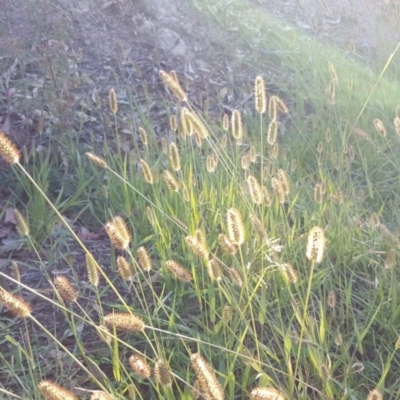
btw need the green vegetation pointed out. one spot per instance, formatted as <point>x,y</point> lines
<point>251,257</point>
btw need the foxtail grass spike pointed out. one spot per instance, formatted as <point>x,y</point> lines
<point>278,189</point>
<point>319,193</point>
<point>15,304</point>
<point>140,366</point>
<point>315,245</point>
<point>51,391</point>
<point>174,157</point>
<point>22,225</point>
<point>290,273</point>
<point>173,123</point>
<point>331,299</point>
<point>380,127</point>
<point>272,132</point>
<point>170,80</point>
<point>227,313</point>
<point>124,322</point>
<point>226,245</point>
<point>333,73</point>
<point>237,126</point>
<point>375,395</point>
<point>267,393</point>
<point>118,233</point>
<point>245,162</point>
<point>197,247</point>
<point>15,271</point>
<point>272,108</point>
<point>257,226</point>
<point>255,190</point>
<point>178,271</point>
<point>170,181</point>
<point>162,373</point>
<point>147,172</point>
<point>281,106</point>
<point>100,162</point>
<point>214,270</point>
<point>65,289</point>
<point>236,231</point>
<point>225,122</point>
<point>125,268</point>
<point>144,259</point>
<point>8,151</point>
<point>235,277</point>
<point>98,395</point>
<point>260,95</point>
<point>112,101</point>
<point>282,175</point>
<point>93,273</point>
<point>143,136</point>
<point>104,334</point>
<point>253,154</point>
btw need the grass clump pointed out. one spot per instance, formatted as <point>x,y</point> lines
<point>244,264</point>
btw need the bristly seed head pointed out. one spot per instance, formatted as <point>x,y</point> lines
<point>162,373</point>
<point>125,268</point>
<point>380,128</point>
<point>65,289</point>
<point>140,366</point>
<point>255,190</point>
<point>316,245</point>
<point>93,273</point>
<point>237,126</point>
<point>198,248</point>
<point>8,151</point>
<point>124,322</point>
<point>272,132</point>
<point>178,271</point>
<point>22,225</point>
<point>118,233</point>
<point>170,181</point>
<point>100,162</point>
<point>171,81</point>
<point>260,95</point>
<point>112,101</point>
<point>51,391</point>
<point>236,231</point>
<point>144,259</point>
<point>375,395</point>
<point>99,395</point>
<point>227,245</point>
<point>147,173</point>
<point>15,304</point>
<point>266,393</point>
<point>174,157</point>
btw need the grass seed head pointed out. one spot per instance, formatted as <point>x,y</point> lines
<point>227,313</point>
<point>396,123</point>
<point>272,132</point>
<point>316,245</point>
<point>278,189</point>
<point>140,366</point>
<point>118,233</point>
<point>375,395</point>
<point>173,123</point>
<point>146,171</point>
<point>257,226</point>
<point>125,269</point>
<point>290,273</point>
<point>225,122</point>
<point>331,299</point>
<point>255,190</point>
<point>51,391</point>
<point>100,162</point>
<point>245,161</point>
<point>171,82</point>
<point>319,193</point>
<point>235,277</point>
<point>260,95</point>
<point>104,334</point>
<point>266,196</point>
<point>93,273</point>
<point>272,108</point>
<point>209,383</point>
<point>143,136</point>
<point>112,101</point>
<point>22,225</point>
<point>144,259</point>
<point>162,373</point>
<point>211,163</point>
<point>15,271</point>
<point>380,127</point>
<point>198,247</point>
<point>236,231</point>
<point>174,157</point>
<point>170,181</point>
<point>214,270</point>
<point>15,304</point>
<point>253,154</point>
<point>333,73</point>
<point>178,271</point>
<point>65,289</point>
<point>100,396</point>
<point>8,151</point>
<point>124,322</point>
<point>237,125</point>
<point>267,393</point>
<point>283,177</point>
<point>280,104</point>
<point>226,245</point>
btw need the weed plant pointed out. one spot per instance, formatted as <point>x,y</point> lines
<point>245,263</point>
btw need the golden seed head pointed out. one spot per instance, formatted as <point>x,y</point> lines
<point>278,189</point>
<point>199,248</point>
<point>235,277</point>
<point>319,193</point>
<point>320,148</point>
<point>146,171</point>
<point>275,150</point>
<point>214,270</point>
<point>390,259</point>
<point>280,104</point>
<point>171,82</point>
<point>227,245</point>
<point>174,157</point>
<point>272,132</point>
<point>227,313</point>
<point>124,322</point>
<point>257,226</point>
<point>150,215</point>
<point>93,273</point>
<point>331,299</point>
<point>245,161</point>
<point>15,304</point>
<point>397,345</point>
<point>144,259</point>
<point>375,395</point>
<point>266,196</point>
<point>223,141</point>
<point>332,71</point>
<point>328,135</point>
<point>173,123</point>
<point>15,271</point>
<point>253,154</point>
<point>272,108</point>
<point>140,366</point>
<point>100,162</point>
<point>178,271</point>
<point>8,151</point>
<point>104,334</point>
<point>259,95</point>
<point>162,373</point>
<point>267,393</point>
<point>22,225</point>
<point>125,268</point>
<point>186,123</point>
<point>316,245</point>
<point>170,181</point>
<point>112,101</point>
<point>396,123</point>
<point>195,124</point>
<point>98,395</point>
<point>225,122</point>
<point>143,136</point>
<point>211,163</point>
<point>209,383</point>
<point>360,133</point>
<point>65,289</point>
<point>118,233</point>
<point>290,273</point>
<point>282,175</point>
<point>379,127</point>
<point>236,231</point>
<point>237,126</point>
<point>51,391</point>
<point>255,190</point>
